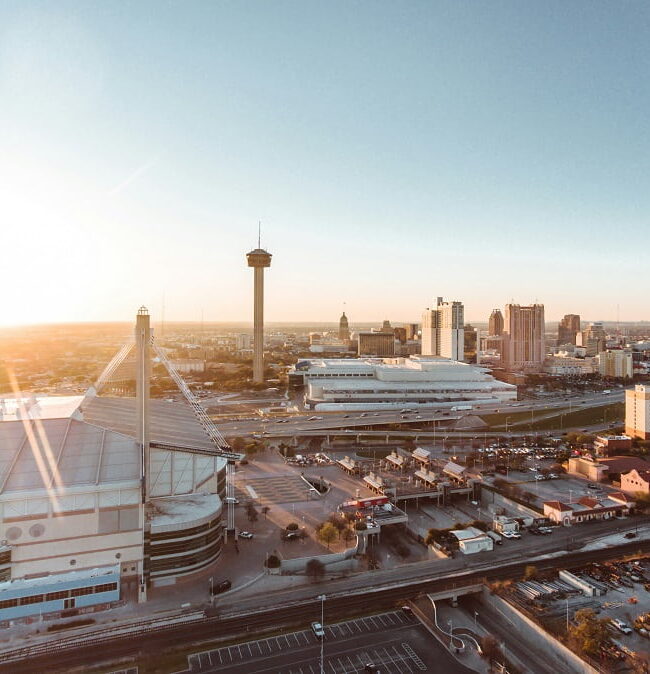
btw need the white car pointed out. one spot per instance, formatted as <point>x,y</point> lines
<point>245,534</point>
<point>318,630</point>
<point>621,626</point>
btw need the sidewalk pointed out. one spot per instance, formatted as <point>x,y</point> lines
<point>469,658</point>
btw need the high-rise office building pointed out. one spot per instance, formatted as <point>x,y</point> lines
<point>593,338</point>
<point>617,364</point>
<point>495,323</point>
<point>567,329</point>
<point>386,327</point>
<point>443,330</point>
<point>524,348</point>
<point>344,328</point>
<point>376,343</point>
<point>471,343</point>
<point>412,330</point>
<point>400,335</point>
<point>637,412</point>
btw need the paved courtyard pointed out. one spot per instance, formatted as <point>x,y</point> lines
<point>281,489</point>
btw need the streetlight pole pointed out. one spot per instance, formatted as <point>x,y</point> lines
<point>567,616</point>
<point>322,641</point>
<point>475,617</point>
<point>211,592</point>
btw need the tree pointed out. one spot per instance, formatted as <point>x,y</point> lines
<point>238,444</point>
<point>265,510</point>
<point>530,572</point>
<point>589,633</point>
<point>292,526</point>
<point>315,569</point>
<point>273,562</point>
<point>338,522</point>
<point>348,535</point>
<point>490,649</point>
<point>360,526</point>
<point>327,533</point>
<point>251,512</point>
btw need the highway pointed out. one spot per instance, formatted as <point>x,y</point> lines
<point>324,421</point>
<point>347,596</point>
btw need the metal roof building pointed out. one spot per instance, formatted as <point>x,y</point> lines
<point>71,488</point>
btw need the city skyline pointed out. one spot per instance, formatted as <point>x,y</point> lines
<point>504,141</point>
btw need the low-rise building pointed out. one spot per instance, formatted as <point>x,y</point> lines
<point>604,445</point>
<point>562,366</point>
<point>618,465</point>
<point>189,365</point>
<point>587,509</point>
<point>472,540</point>
<point>374,383</point>
<point>592,470</point>
<point>636,481</point>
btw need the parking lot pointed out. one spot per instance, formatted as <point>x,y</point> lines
<point>393,641</point>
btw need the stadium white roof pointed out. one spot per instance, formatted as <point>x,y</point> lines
<point>61,444</point>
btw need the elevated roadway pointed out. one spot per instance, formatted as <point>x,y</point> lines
<point>324,421</point>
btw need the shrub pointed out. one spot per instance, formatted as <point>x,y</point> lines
<point>273,562</point>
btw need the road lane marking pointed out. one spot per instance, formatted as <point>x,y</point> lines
<point>402,659</point>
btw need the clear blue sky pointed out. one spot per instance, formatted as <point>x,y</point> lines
<point>394,151</point>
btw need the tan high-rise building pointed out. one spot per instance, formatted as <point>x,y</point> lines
<point>495,323</point>
<point>637,412</point>
<point>259,259</point>
<point>524,348</point>
<point>443,330</point>
<point>593,338</point>
<point>567,329</point>
<point>412,330</point>
<point>617,364</point>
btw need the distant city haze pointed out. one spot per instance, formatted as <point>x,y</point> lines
<point>394,152</point>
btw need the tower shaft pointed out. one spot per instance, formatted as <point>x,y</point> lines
<point>259,259</point>
<point>258,326</point>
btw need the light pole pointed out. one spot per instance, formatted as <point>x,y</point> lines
<point>451,634</point>
<point>475,617</point>
<point>211,592</point>
<point>567,616</point>
<point>322,641</point>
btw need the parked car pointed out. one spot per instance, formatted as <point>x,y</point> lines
<point>221,587</point>
<point>621,626</point>
<point>245,534</point>
<point>318,630</point>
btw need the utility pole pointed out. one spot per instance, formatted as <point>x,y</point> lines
<point>322,641</point>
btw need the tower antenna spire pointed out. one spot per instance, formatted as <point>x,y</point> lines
<point>259,233</point>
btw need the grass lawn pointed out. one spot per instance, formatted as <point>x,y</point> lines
<point>576,419</point>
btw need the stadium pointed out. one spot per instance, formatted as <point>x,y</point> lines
<point>91,485</point>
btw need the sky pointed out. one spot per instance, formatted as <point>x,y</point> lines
<point>486,152</point>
